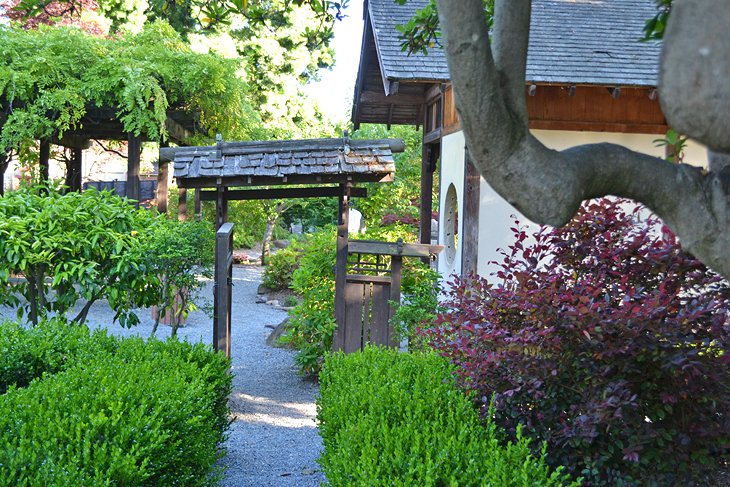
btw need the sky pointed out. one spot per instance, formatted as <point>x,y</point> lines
<point>333,93</point>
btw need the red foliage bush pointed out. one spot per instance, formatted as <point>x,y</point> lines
<point>603,339</point>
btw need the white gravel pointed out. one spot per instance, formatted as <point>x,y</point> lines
<point>273,439</point>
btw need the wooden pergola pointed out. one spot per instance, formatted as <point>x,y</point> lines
<point>104,124</point>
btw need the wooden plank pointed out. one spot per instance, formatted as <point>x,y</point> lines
<point>354,297</point>
<point>134,151</point>
<point>393,248</point>
<point>198,207</point>
<point>364,278</point>
<point>470,227</point>
<point>283,193</point>
<point>380,314</point>
<point>341,265</point>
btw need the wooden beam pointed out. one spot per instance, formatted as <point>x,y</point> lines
<point>282,193</point>
<point>177,132</point>
<point>390,116</point>
<point>376,247</point>
<point>163,178</point>
<point>292,179</point>
<point>134,151</point>
<point>398,99</point>
<point>73,172</point>
<point>433,136</point>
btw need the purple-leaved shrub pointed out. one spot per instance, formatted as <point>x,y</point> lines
<point>605,340</point>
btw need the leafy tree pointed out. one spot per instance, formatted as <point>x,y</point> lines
<point>50,77</point>
<point>488,74</point>
<point>189,16</point>
<point>56,249</point>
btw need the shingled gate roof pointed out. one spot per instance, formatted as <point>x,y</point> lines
<point>572,42</point>
<point>261,163</point>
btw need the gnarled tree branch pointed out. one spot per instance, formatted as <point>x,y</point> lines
<point>548,186</point>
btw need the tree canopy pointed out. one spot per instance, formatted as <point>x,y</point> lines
<point>49,78</point>
<point>488,74</point>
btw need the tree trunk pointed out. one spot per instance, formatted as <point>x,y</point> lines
<point>548,186</point>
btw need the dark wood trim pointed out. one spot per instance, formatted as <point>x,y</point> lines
<point>470,220</point>
<point>429,156</point>
<point>73,174</point>
<point>242,181</point>
<point>628,128</point>
<point>451,129</point>
<point>280,193</point>
<point>222,292</point>
<point>433,136</point>
<point>197,205</point>
<point>221,206</point>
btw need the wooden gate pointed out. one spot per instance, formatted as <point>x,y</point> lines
<point>223,288</point>
<point>371,281</point>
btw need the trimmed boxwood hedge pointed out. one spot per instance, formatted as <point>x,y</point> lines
<point>91,409</point>
<point>398,419</point>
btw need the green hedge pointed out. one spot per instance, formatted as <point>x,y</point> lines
<point>99,410</point>
<point>398,419</point>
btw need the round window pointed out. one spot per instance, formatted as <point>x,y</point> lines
<point>451,224</point>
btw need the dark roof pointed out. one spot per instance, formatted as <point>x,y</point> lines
<point>571,42</point>
<point>284,162</point>
<point>396,64</point>
<point>592,42</point>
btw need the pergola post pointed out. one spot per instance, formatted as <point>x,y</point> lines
<point>73,170</point>
<point>182,204</point>
<point>44,155</point>
<point>221,206</point>
<point>134,151</point>
<point>341,264</point>
<point>198,206</point>
<point>163,190</point>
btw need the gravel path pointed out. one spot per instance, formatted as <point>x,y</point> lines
<point>273,438</point>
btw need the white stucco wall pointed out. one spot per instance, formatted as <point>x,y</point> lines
<point>451,172</point>
<point>496,216</point>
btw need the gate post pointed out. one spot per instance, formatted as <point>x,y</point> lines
<point>222,289</point>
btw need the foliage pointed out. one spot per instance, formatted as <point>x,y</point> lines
<point>178,252</point>
<point>56,249</point>
<point>51,77</point>
<point>419,306</point>
<point>396,198</point>
<point>654,28</point>
<point>29,353</point>
<point>605,340</point>
<point>674,143</point>
<point>280,269</point>
<point>122,412</point>
<point>422,32</point>
<point>193,15</point>
<point>412,426</point>
<point>312,322</point>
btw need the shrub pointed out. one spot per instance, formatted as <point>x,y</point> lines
<point>280,269</point>
<point>177,252</point>
<point>50,347</point>
<point>603,339</point>
<point>73,246</point>
<point>389,418</point>
<point>121,412</point>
